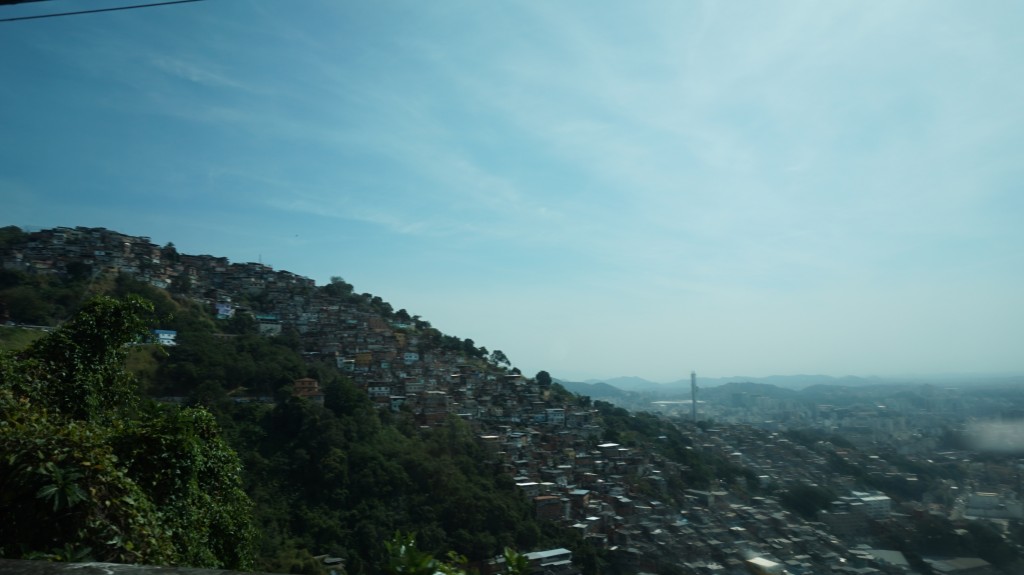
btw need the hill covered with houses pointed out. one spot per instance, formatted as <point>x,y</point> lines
<point>394,356</point>
<point>353,421</point>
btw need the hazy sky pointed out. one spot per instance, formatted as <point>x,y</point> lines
<point>596,188</point>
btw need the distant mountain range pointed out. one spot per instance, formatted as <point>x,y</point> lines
<point>598,389</point>
<point>777,384</point>
<point>785,381</point>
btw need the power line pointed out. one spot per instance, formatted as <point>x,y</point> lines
<point>132,7</point>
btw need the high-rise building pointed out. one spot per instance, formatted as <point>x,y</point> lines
<point>693,395</point>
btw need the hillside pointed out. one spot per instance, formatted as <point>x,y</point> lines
<point>598,390</point>
<point>353,421</point>
<point>348,423</point>
<point>46,274</point>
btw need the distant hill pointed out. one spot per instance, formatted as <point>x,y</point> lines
<point>630,383</point>
<point>799,381</point>
<point>804,381</point>
<point>639,384</point>
<point>748,387</point>
<point>598,390</point>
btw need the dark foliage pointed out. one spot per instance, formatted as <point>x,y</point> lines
<point>664,437</point>
<point>807,500</point>
<point>87,475</point>
<point>338,478</point>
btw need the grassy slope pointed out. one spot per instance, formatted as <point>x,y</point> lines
<point>17,338</point>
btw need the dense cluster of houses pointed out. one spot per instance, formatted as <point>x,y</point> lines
<point>610,494</point>
<point>549,443</point>
<point>388,357</point>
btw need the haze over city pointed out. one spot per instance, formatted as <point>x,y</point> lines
<point>597,189</point>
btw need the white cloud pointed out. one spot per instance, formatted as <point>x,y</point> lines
<point>744,184</point>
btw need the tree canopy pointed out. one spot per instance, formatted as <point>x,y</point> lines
<point>89,473</point>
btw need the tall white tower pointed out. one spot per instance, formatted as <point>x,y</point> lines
<point>693,395</point>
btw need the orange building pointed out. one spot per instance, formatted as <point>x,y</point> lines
<point>308,388</point>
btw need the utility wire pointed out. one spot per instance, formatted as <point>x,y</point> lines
<point>97,10</point>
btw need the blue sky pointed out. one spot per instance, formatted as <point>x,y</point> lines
<point>596,188</point>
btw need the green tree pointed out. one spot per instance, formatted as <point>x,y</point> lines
<point>87,474</point>
<point>78,271</point>
<point>10,236</point>
<point>170,253</point>
<point>498,357</point>
<point>181,284</point>
<point>78,370</point>
<point>65,496</point>
<point>806,500</point>
<point>404,558</point>
<point>24,304</point>
<point>338,287</point>
<point>241,323</point>
<point>543,379</point>
<point>194,479</point>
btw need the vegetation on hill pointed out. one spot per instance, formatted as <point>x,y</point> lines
<point>342,477</point>
<point>665,438</point>
<point>337,478</point>
<point>90,472</point>
<point>807,500</point>
<point>38,300</point>
<point>10,236</point>
<point>14,338</point>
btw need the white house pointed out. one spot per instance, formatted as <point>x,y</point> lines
<point>165,336</point>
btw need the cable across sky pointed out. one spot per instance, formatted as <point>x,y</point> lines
<point>96,10</point>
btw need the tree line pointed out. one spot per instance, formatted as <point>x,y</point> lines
<point>94,469</point>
